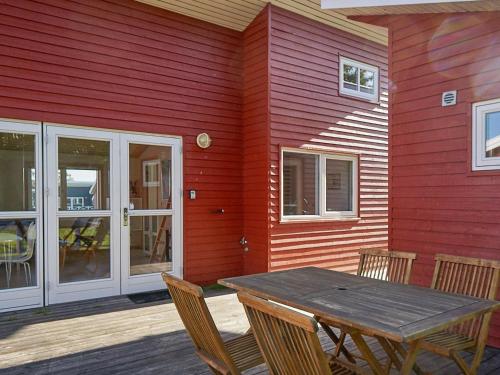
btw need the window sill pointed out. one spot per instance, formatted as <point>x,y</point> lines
<point>349,95</point>
<point>320,220</point>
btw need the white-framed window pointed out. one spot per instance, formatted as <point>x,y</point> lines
<point>486,135</point>
<point>316,185</point>
<point>358,79</point>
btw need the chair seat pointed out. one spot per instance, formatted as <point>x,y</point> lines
<point>445,342</point>
<point>244,351</point>
<point>340,369</point>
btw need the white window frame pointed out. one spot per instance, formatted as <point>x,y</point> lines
<point>357,93</point>
<point>321,187</point>
<point>479,160</point>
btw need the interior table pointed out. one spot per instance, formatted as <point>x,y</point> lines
<point>393,313</point>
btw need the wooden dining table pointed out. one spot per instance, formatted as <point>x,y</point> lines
<point>395,314</point>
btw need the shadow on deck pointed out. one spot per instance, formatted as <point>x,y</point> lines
<point>116,336</point>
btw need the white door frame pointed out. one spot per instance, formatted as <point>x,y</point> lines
<point>142,283</point>
<point>65,292</point>
<point>27,297</point>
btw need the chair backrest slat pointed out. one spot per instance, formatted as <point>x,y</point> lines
<point>190,303</point>
<point>468,276</point>
<point>394,266</point>
<point>287,339</point>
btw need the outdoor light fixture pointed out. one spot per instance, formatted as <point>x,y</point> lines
<point>203,140</point>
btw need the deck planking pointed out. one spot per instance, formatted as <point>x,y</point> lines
<point>116,336</point>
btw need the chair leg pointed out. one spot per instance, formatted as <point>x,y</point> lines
<point>481,343</point>
<point>8,271</point>
<point>26,274</point>
<point>461,363</point>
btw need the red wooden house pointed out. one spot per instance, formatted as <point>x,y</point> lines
<point>211,143</point>
<point>444,65</point>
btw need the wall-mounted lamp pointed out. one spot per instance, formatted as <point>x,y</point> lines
<point>203,140</point>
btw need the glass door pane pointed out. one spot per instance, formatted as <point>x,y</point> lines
<point>84,250</point>
<point>83,213</point>
<point>19,215</point>
<point>83,186</point>
<point>153,227</point>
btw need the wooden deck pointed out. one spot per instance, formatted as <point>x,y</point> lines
<point>116,336</point>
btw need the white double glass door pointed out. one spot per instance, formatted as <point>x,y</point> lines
<point>113,212</point>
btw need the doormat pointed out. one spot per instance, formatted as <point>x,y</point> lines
<point>138,298</point>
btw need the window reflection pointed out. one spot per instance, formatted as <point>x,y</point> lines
<point>300,190</point>
<point>83,174</point>
<point>17,253</point>
<point>338,185</point>
<point>84,249</point>
<point>150,244</point>
<point>493,134</point>
<point>17,175</point>
<point>150,177</point>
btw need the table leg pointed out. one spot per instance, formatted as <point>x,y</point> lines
<point>337,342</point>
<point>366,352</point>
<point>391,353</point>
<point>402,352</point>
<point>410,358</point>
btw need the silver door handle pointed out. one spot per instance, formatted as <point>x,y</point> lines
<point>125,216</point>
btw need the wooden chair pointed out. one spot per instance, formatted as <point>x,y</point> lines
<point>288,339</point>
<point>230,357</point>
<point>394,266</point>
<point>471,277</point>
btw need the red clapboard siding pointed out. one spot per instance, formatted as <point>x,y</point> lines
<point>123,65</point>
<point>437,204</point>
<point>306,111</point>
<point>256,142</point>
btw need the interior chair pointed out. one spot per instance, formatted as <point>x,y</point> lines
<point>288,340</point>
<point>229,357</point>
<point>472,277</point>
<point>23,258</point>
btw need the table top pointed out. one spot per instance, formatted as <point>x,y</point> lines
<point>399,312</point>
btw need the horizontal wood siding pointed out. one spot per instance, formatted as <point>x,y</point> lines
<point>256,142</point>
<point>307,112</point>
<point>125,65</point>
<point>437,204</point>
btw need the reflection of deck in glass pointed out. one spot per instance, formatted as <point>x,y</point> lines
<point>84,249</point>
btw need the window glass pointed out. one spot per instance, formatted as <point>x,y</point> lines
<point>350,77</point>
<point>492,132</point>
<point>338,185</point>
<point>83,174</point>
<point>300,184</point>
<point>367,81</point>
<point>18,253</point>
<point>150,244</point>
<point>150,172</point>
<point>17,175</point>
<point>84,249</point>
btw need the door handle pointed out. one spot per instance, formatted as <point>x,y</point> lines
<point>125,216</point>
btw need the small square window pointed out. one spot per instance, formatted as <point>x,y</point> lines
<point>486,135</point>
<point>358,79</point>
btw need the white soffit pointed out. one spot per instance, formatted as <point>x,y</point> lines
<point>381,7</point>
<point>237,14</point>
